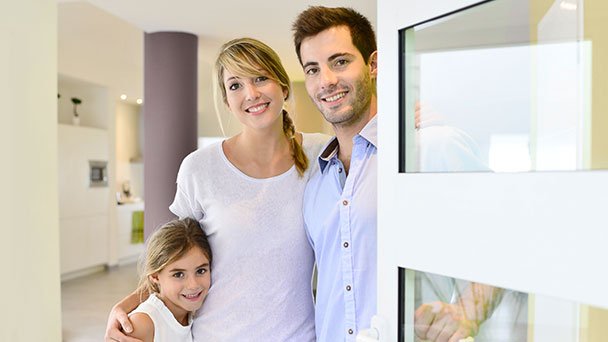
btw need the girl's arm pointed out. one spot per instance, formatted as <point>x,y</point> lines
<point>143,327</point>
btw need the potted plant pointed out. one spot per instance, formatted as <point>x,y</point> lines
<point>76,119</point>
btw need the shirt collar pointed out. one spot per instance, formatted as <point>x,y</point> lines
<point>330,150</point>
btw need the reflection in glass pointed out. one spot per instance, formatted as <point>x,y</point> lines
<point>504,86</point>
<point>513,317</point>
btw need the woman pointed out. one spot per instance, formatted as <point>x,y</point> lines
<point>247,191</point>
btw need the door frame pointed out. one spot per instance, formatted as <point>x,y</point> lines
<point>534,232</point>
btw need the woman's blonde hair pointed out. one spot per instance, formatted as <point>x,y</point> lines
<point>168,244</point>
<point>246,57</point>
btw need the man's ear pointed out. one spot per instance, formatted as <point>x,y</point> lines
<point>373,64</point>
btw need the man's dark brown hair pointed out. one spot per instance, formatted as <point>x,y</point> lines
<point>316,19</point>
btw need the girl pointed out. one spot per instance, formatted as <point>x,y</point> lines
<point>247,191</point>
<point>176,275</point>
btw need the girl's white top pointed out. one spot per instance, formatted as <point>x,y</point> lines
<point>262,260</point>
<point>166,327</point>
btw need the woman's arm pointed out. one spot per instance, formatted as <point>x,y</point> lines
<point>118,321</point>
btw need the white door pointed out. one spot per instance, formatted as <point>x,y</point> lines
<point>497,185</point>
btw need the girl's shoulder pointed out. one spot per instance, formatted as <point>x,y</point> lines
<point>143,326</point>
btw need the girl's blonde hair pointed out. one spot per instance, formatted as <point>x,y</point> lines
<point>245,57</point>
<point>168,244</point>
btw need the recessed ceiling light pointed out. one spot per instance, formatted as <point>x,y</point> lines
<point>123,97</point>
<point>139,101</point>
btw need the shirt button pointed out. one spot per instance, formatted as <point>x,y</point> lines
<point>350,331</point>
<point>348,288</point>
<point>340,170</point>
<point>346,245</point>
<point>345,202</point>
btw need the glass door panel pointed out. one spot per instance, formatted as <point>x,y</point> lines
<point>503,86</point>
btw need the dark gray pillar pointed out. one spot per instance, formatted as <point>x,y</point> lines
<point>170,118</point>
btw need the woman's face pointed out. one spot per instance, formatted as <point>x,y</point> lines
<point>256,101</point>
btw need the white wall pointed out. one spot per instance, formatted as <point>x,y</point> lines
<point>83,210</point>
<point>29,247</point>
<point>129,151</point>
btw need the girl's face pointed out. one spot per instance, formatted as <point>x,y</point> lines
<point>184,283</point>
<point>256,101</point>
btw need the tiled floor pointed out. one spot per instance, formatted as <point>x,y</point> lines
<point>86,302</point>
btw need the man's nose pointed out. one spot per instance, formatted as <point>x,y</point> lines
<point>328,78</point>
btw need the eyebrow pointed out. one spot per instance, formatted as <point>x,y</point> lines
<point>183,270</point>
<point>339,54</point>
<point>331,58</point>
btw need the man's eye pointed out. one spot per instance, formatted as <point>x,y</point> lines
<point>261,79</point>
<point>341,62</point>
<point>178,275</point>
<point>234,86</point>
<point>310,71</point>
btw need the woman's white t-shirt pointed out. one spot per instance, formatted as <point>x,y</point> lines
<point>262,260</point>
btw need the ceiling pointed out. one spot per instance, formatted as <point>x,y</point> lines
<point>101,41</point>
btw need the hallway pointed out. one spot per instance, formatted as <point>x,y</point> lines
<point>86,301</point>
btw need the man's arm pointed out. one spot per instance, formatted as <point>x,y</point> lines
<point>442,322</point>
<point>118,321</point>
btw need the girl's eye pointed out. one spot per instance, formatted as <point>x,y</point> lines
<point>201,271</point>
<point>234,86</point>
<point>261,79</point>
<point>178,275</point>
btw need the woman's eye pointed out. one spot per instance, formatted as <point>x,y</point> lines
<point>178,275</point>
<point>234,86</point>
<point>261,79</point>
<point>201,271</point>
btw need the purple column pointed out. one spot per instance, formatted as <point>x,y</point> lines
<point>170,118</point>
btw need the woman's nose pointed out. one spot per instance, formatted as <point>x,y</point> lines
<point>251,92</point>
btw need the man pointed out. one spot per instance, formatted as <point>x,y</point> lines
<point>337,50</point>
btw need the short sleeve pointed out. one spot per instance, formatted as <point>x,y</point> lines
<point>185,203</point>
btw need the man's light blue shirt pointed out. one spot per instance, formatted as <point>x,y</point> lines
<point>340,217</point>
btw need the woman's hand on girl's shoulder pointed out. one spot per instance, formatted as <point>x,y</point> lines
<point>143,327</point>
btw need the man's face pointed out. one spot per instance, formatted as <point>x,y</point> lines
<point>336,76</point>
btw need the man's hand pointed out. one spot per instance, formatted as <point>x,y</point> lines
<point>118,321</point>
<point>441,322</point>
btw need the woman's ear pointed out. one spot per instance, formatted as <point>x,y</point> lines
<point>154,278</point>
<point>373,64</point>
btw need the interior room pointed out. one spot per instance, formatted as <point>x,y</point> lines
<point>82,190</point>
<point>101,66</point>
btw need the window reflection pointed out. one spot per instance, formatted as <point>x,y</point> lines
<point>504,86</point>
<point>512,317</point>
